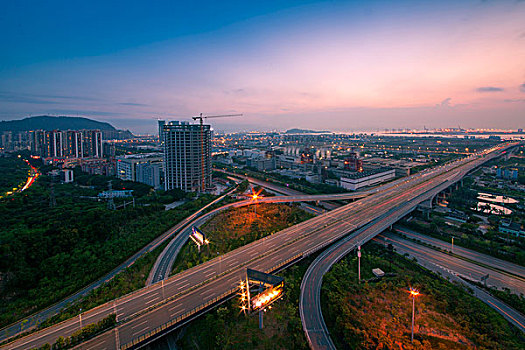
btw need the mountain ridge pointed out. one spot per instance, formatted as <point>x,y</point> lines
<point>46,122</point>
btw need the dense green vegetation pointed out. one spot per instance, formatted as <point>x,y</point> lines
<point>129,280</point>
<point>14,173</point>
<point>83,334</point>
<point>47,253</point>
<point>236,227</point>
<point>490,243</point>
<point>377,314</point>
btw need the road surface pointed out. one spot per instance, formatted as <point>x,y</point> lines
<point>163,266</point>
<point>471,255</point>
<point>310,311</point>
<point>146,313</point>
<point>463,268</point>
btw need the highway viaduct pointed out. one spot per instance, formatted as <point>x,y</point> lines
<point>150,312</point>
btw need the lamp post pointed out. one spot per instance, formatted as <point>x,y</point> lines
<point>359,263</point>
<point>452,244</point>
<point>255,196</point>
<point>413,293</point>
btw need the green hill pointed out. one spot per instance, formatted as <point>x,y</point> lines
<point>45,122</point>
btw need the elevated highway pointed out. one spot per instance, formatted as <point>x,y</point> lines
<point>162,267</point>
<point>310,298</point>
<point>150,312</point>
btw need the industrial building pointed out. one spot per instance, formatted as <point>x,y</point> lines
<point>357,180</point>
<point>187,156</point>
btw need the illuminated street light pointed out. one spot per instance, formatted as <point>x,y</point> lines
<point>254,197</point>
<point>413,293</point>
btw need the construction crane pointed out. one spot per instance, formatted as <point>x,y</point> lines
<point>201,118</point>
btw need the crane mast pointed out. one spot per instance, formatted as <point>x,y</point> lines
<point>201,118</point>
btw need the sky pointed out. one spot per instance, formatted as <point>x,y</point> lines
<point>327,65</point>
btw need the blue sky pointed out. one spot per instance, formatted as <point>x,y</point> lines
<point>336,65</point>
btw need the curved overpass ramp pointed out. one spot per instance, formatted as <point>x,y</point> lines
<point>310,311</point>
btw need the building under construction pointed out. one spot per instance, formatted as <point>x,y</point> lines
<point>187,156</point>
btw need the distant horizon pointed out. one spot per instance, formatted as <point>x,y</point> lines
<point>383,130</point>
<point>380,130</point>
<point>338,65</point>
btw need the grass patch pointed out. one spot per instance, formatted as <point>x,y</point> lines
<point>378,314</point>
<point>236,227</point>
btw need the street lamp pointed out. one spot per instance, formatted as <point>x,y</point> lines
<point>255,196</point>
<point>359,263</point>
<point>413,293</point>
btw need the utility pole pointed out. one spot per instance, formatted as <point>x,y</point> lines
<point>413,317</point>
<point>452,244</point>
<point>111,203</point>
<point>413,293</point>
<point>359,263</point>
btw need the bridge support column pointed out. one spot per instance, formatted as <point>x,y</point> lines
<point>261,312</point>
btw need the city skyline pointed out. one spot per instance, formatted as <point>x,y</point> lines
<point>341,66</point>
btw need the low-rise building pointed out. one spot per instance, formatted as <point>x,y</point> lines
<point>512,228</point>
<point>457,215</point>
<point>116,194</point>
<point>150,174</point>
<point>355,181</point>
<point>261,163</point>
<point>127,165</point>
<point>507,173</point>
<point>66,175</point>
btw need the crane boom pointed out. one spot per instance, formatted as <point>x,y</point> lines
<point>201,118</point>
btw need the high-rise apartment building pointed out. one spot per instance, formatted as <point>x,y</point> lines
<point>36,141</point>
<point>66,144</point>
<point>187,156</point>
<point>54,144</point>
<point>75,144</point>
<point>92,143</point>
